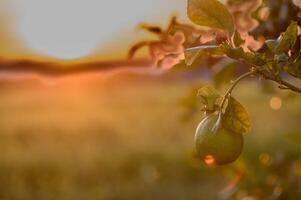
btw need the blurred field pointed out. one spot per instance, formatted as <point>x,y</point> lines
<point>126,140</point>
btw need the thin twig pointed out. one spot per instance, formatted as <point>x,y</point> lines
<point>234,84</point>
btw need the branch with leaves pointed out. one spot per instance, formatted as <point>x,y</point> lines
<point>220,35</point>
<point>225,116</point>
<point>281,56</point>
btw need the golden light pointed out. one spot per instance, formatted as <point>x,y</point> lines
<point>278,190</point>
<point>276,103</point>
<point>59,28</point>
<point>71,29</point>
<point>265,159</point>
<point>209,160</point>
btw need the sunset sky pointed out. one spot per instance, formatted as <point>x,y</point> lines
<point>68,29</point>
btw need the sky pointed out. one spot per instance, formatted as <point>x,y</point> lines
<point>69,29</point>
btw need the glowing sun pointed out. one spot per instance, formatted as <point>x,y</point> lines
<point>59,28</point>
<point>74,28</point>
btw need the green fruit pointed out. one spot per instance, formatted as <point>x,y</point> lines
<point>217,146</point>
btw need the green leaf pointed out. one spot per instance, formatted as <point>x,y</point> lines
<point>289,39</point>
<point>236,118</point>
<point>210,13</point>
<point>294,69</point>
<point>237,39</point>
<point>209,97</point>
<point>239,54</point>
<point>236,53</point>
<point>272,44</point>
<point>193,53</point>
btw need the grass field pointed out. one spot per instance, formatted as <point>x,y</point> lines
<point>119,141</point>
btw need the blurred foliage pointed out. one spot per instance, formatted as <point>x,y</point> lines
<point>53,145</point>
<point>280,13</point>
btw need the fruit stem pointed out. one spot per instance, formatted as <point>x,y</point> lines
<point>234,84</point>
<point>228,94</point>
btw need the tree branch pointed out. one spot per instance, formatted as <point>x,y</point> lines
<point>283,84</point>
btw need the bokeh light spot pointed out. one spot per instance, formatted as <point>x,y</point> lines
<point>209,160</point>
<point>278,191</point>
<point>265,159</point>
<point>264,13</point>
<point>276,103</point>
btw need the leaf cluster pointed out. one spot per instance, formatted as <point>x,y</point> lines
<point>235,117</point>
<point>276,58</point>
<point>281,55</point>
